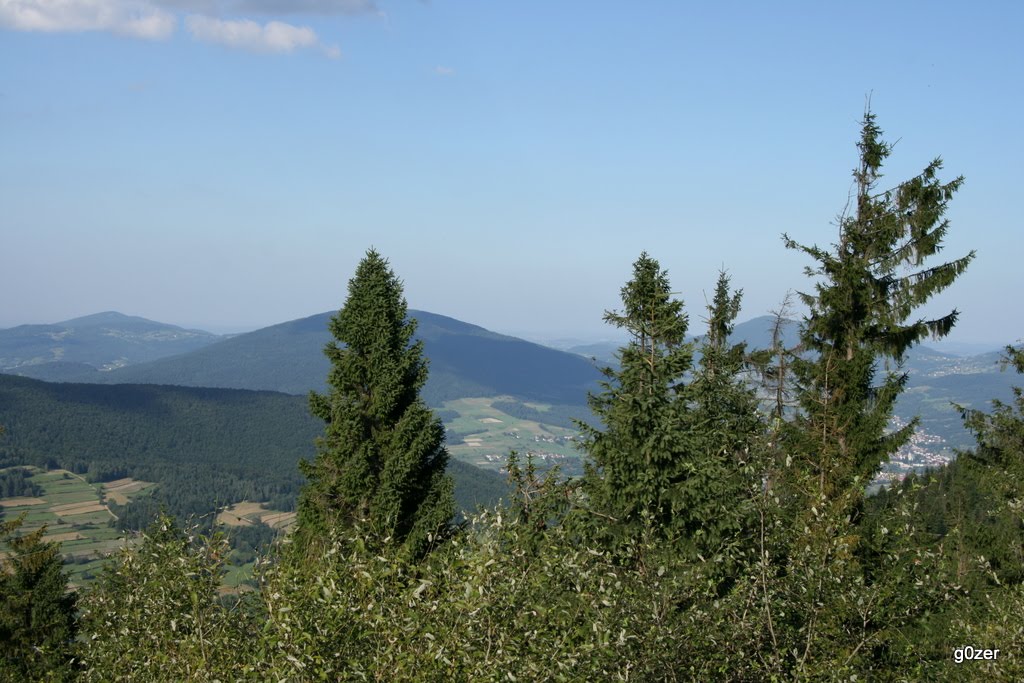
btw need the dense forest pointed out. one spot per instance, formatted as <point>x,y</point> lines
<point>713,535</point>
<point>207,448</point>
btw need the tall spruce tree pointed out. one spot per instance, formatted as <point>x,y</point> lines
<point>861,313</point>
<point>637,459</point>
<point>381,462</point>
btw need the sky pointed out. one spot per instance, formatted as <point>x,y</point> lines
<point>224,164</point>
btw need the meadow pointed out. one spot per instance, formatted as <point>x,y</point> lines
<point>483,435</point>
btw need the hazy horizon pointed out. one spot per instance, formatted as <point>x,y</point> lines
<point>552,339</point>
<point>227,164</point>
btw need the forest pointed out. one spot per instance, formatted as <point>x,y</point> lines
<point>719,532</point>
<point>206,447</point>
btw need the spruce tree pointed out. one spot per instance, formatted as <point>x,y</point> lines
<point>37,613</point>
<point>678,443</point>
<point>862,313</point>
<point>725,428</point>
<point>381,462</point>
<point>994,471</point>
<point>637,459</point>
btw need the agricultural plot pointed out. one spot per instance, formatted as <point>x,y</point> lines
<point>121,491</point>
<point>76,516</point>
<point>248,513</point>
<point>484,435</point>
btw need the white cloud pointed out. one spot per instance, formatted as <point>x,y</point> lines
<point>157,19</point>
<point>444,70</point>
<point>274,36</point>
<point>136,18</point>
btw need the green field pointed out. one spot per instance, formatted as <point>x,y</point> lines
<point>76,515</point>
<point>482,435</point>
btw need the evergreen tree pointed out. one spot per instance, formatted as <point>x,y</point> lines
<point>638,460</point>
<point>871,283</point>
<point>725,428</point>
<point>724,406</point>
<point>37,613</point>
<point>381,461</point>
<point>995,468</point>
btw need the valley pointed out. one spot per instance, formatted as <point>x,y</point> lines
<point>109,453</point>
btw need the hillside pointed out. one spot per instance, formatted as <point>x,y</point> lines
<point>99,342</point>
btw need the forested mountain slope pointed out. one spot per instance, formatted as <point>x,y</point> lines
<point>205,447</point>
<point>465,360</point>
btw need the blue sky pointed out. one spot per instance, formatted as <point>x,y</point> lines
<point>225,163</point>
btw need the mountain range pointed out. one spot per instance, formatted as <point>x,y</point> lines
<point>465,360</point>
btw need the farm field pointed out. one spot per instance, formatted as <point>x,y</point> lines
<point>483,435</point>
<point>248,513</point>
<point>76,516</point>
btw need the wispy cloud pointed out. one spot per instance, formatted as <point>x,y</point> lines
<point>444,70</point>
<point>276,7</point>
<point>136,18</point>
<point>274,36</point>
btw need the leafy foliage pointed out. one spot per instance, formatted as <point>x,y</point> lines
<point>154,615</point>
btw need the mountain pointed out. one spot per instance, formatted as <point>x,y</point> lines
<point>757,332</point>
<point>94,343</point>
<point>465,360</point>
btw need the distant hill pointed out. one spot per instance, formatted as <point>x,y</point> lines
<point>465,360</point>
<point>205,447</point>
<point>99,342</point>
